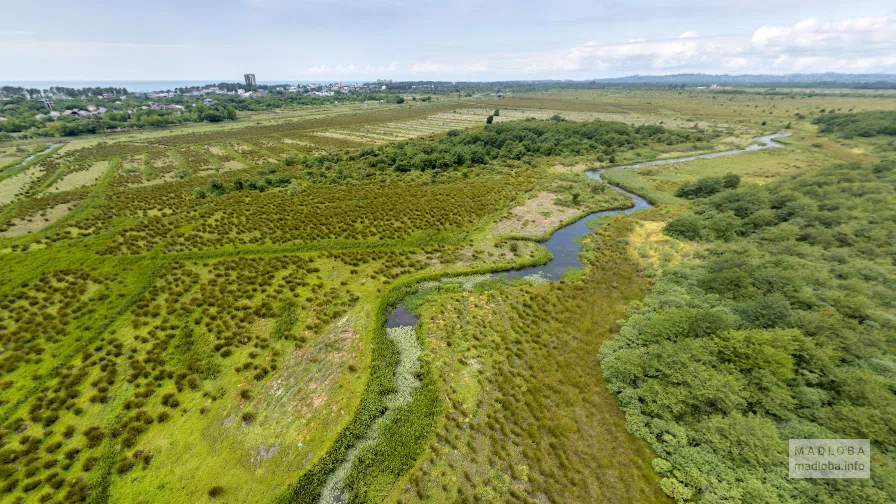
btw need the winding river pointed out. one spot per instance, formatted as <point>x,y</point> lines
<point>563,245</point>
<point>565,250</point>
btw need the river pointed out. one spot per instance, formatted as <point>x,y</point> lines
<point>564,247</point>
<point>564,250</point>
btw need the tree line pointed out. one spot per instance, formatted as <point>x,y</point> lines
<point>508,141</point>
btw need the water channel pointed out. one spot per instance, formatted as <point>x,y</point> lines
<point>564,246</point>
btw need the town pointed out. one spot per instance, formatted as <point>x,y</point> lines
<point>27,113</point>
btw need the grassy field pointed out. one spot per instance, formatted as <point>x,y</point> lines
<point>526,413</point>
<point>195,314</point>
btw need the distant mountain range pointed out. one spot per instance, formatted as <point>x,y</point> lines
<point>794,80</point>
<point>752,80</point>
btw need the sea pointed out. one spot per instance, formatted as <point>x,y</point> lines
<point>140,86</point>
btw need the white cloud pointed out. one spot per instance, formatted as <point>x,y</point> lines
<point>657,55</point>
<point>813,35</point>
<point>860,44</point>
<point>851,45</point>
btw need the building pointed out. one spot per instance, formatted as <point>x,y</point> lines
<point>250,80</point>
<point>208,101</point>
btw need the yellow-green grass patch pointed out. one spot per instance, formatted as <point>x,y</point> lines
<point>24,225</point>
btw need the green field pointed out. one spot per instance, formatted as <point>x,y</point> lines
<point>197,313</point>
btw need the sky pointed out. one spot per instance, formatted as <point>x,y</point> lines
<point>360,40</point>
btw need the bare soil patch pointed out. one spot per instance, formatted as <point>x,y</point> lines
<point>535,217</point>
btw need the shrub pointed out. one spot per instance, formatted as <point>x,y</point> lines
<point>707,186</point>
<point>125,466</point>
<point>685,227</point>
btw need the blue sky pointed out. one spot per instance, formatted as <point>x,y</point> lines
<point>452,40</point>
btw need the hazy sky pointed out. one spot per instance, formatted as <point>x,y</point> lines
<point>352,40</point>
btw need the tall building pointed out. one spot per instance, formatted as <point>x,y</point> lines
<point>250,80</point>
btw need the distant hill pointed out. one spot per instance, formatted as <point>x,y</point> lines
<point>754,80</point>
<point>829,80</point>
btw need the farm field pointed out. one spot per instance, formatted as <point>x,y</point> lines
<point>197,314</point>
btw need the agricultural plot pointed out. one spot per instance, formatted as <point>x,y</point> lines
<point>13,187</point>
<point>350,137</point>
<point>224,158</point>
<point>11,155</point>
<point>465,118</point>
<point>80,176</point>
<point>23,225</point>
<point>299,146</point>
<point>196,160</point>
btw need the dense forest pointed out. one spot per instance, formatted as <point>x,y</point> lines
<point>784,330</point>
<point>494,149</point>
<point>862,124</point>
<point>510,141</point>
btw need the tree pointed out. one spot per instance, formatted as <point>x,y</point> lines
<point>216,187</point>
<point>213,116</point>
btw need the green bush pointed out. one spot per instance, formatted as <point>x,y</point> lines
<point>862,124</point>
<point>707,186</point>
<point>775,334</point>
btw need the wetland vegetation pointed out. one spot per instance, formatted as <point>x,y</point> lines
<point>199,314</point>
